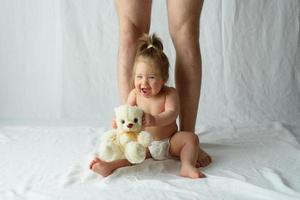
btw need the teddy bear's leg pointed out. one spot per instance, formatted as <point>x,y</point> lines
<point>135,153</point>
<point>109,151</point>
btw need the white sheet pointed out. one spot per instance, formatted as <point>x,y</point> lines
<point>43,163</point>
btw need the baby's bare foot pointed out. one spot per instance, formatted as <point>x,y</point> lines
<point>203,159</point>
<point>101,167</point>
<point>191,172</point>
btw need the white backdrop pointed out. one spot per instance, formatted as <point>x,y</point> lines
<point>58,61</point>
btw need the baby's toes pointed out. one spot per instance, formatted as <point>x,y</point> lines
<point>96,160</point>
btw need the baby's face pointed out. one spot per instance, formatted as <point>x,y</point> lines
<point>147,80</point>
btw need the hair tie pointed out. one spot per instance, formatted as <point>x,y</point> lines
<point>150,45</point>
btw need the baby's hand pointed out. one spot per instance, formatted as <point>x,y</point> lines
<point>114,124</point>
<point>148,120</point>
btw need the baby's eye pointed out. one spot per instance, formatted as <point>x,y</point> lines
<point>122,121</point>
<point>151,77</point>
<point>135,120</point>
<point>139,76</point>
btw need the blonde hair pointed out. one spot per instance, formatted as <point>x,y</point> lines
<point>151,47</point>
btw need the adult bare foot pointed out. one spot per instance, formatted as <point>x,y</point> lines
<point>101,167</point>
<point>203,159</point>
<point>191,172</point>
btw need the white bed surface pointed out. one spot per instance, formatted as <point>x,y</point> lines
<point>39,163</point>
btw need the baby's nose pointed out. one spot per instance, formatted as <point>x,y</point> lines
<point>144,81</point>
<point>129,125</point>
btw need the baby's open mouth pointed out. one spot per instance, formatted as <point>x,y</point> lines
<point>145,90</point>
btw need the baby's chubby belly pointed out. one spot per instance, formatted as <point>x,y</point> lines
<point>162,132</point>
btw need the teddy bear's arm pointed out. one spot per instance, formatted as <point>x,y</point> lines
<point>109,135</point>
<point>144,138</point>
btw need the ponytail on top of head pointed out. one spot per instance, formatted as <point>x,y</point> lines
<point>149,43</point>
<point>151,47</point>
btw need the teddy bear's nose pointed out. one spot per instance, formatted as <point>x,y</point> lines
<point>129,125</point>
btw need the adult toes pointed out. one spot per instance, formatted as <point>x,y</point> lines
<point>203,162</point>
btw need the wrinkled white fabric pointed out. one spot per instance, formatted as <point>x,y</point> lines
<point>40,163</point>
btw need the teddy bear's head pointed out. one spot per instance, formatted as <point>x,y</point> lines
<point>129,118</point>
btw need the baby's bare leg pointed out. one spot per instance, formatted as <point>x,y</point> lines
<point>185,145</point>
<point>106,168</point>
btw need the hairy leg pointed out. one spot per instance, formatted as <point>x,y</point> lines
<point>184,17</point>
<point>106,168</point>
<point>185,145</point>
<point>184,22</point>
<point>134,20</point>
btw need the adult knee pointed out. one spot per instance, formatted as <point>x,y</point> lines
<point>186,41</point>
<point>129,35</point>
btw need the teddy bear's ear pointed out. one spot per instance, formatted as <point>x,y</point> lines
<point>117,111</point>
<point>140,111</point>
<point>119,108</point>
<point>137,111</point>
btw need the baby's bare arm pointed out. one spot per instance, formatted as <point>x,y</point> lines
<point>131,100</point>
<point>169,115</point>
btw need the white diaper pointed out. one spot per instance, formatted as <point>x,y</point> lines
<point>159,150</point>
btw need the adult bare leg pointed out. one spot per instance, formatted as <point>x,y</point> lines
<point>184,22</point>
<point>134,20</point>
<point>184,17</point>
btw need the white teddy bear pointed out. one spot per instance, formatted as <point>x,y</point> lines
<point>128,141</point>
